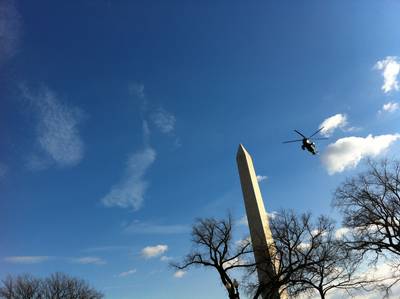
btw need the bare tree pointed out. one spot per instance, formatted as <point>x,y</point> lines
<point>370,204</point>
<point>308,258</point>
<point>57,286</point>
<point>24,286</point>
<point>214,248</point>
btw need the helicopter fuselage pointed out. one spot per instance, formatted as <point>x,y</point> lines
<point>309,145</point>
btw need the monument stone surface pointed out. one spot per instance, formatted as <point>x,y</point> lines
<point>260,233</point>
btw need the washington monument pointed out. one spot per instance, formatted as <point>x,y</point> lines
<point>260,233</point>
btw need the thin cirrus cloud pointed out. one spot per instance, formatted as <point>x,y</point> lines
<point>10,30</point>
<point>330,124</point>
<point>129,191</point>
<point>57,133</point>
<point>154,251</point>
<point>347,152</point>
<point>32,259</point>
<point>390,68</point>
<point>88,260</point>
<point>138,227</point>
<point>127,273</point>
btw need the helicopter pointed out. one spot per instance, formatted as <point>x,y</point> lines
<point>307,142</point>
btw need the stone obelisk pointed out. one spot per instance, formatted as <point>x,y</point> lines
<point>257,218</point>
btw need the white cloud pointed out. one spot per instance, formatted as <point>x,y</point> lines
<point>349,151</point>
<point>179,274</point>
<point>57,133</point>
<point>331,123</point>
<point>154,251</point>
<point>10,28</point>
<point>137,227</point>
<point>89,260</point>
<point>127,273</point>
<point>272,215</point>
<point>390,68</point>
<point>163,120</point>
<point>341,232</point>
<point>261,178</point>
<point>389,107</point>
<point>26,259</point>
<point>129,192</point>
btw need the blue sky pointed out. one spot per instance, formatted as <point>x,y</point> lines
<point>120,121</point>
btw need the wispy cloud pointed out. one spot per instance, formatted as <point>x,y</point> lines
<point>137,89</point>
<point>10,29</point>
<point>129,192</point>
<point>154,251</point>
<point>179,274</point>
<point>138,227</point>
<point>261,178</point>
<point>89,260</point>
<point>32,259</point>
<point>330,124</point>
<point>57,133</point>
<point>347,152</point>
<point>389,107</point>
<point>163,120</point>
<point>127,273</point>
<point>165,258</point>
<point>390,68</point>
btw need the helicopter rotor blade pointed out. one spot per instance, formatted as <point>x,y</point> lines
<point>316,132</point>
<point>300,134</point>
<point>290,141</point>
<point>321,138</point>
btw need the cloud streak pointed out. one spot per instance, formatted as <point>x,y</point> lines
<point>390,68</point>
<point>127,273</point>
<point>330,124</point>
<point>137,227</point>
<point>347,152</point>
<point>32,259</point>
<point>129,192</point>
<point>89,260</point>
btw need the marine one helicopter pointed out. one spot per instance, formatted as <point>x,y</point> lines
<point>307,142</point>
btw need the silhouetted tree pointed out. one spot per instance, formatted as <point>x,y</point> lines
<point>57,286</point>
<point>370,204</point>
<point>307,258</point>
<point>214,248</point>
